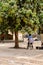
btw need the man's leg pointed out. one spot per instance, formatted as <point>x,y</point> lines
<point>31,45</point>
<point>28,45</point>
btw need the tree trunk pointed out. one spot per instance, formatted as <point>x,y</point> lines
<point>16,39</point>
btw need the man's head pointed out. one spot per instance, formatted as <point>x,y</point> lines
<point>29,34</point>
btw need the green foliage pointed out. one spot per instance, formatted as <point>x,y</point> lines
<point>21,13</point>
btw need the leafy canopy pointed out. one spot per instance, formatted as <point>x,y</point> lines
<point>17,14</point>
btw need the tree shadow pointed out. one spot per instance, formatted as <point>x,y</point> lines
<point>18,48</point>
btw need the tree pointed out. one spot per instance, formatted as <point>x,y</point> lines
<point>40,14</point>
<point>19,14</point>
<point>3,18</point>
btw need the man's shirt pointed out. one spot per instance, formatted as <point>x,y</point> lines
<point>30,39</point>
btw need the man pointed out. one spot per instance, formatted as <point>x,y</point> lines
<point>30,41</point>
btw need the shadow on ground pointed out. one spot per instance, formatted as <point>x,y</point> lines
<point>18,48</point>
